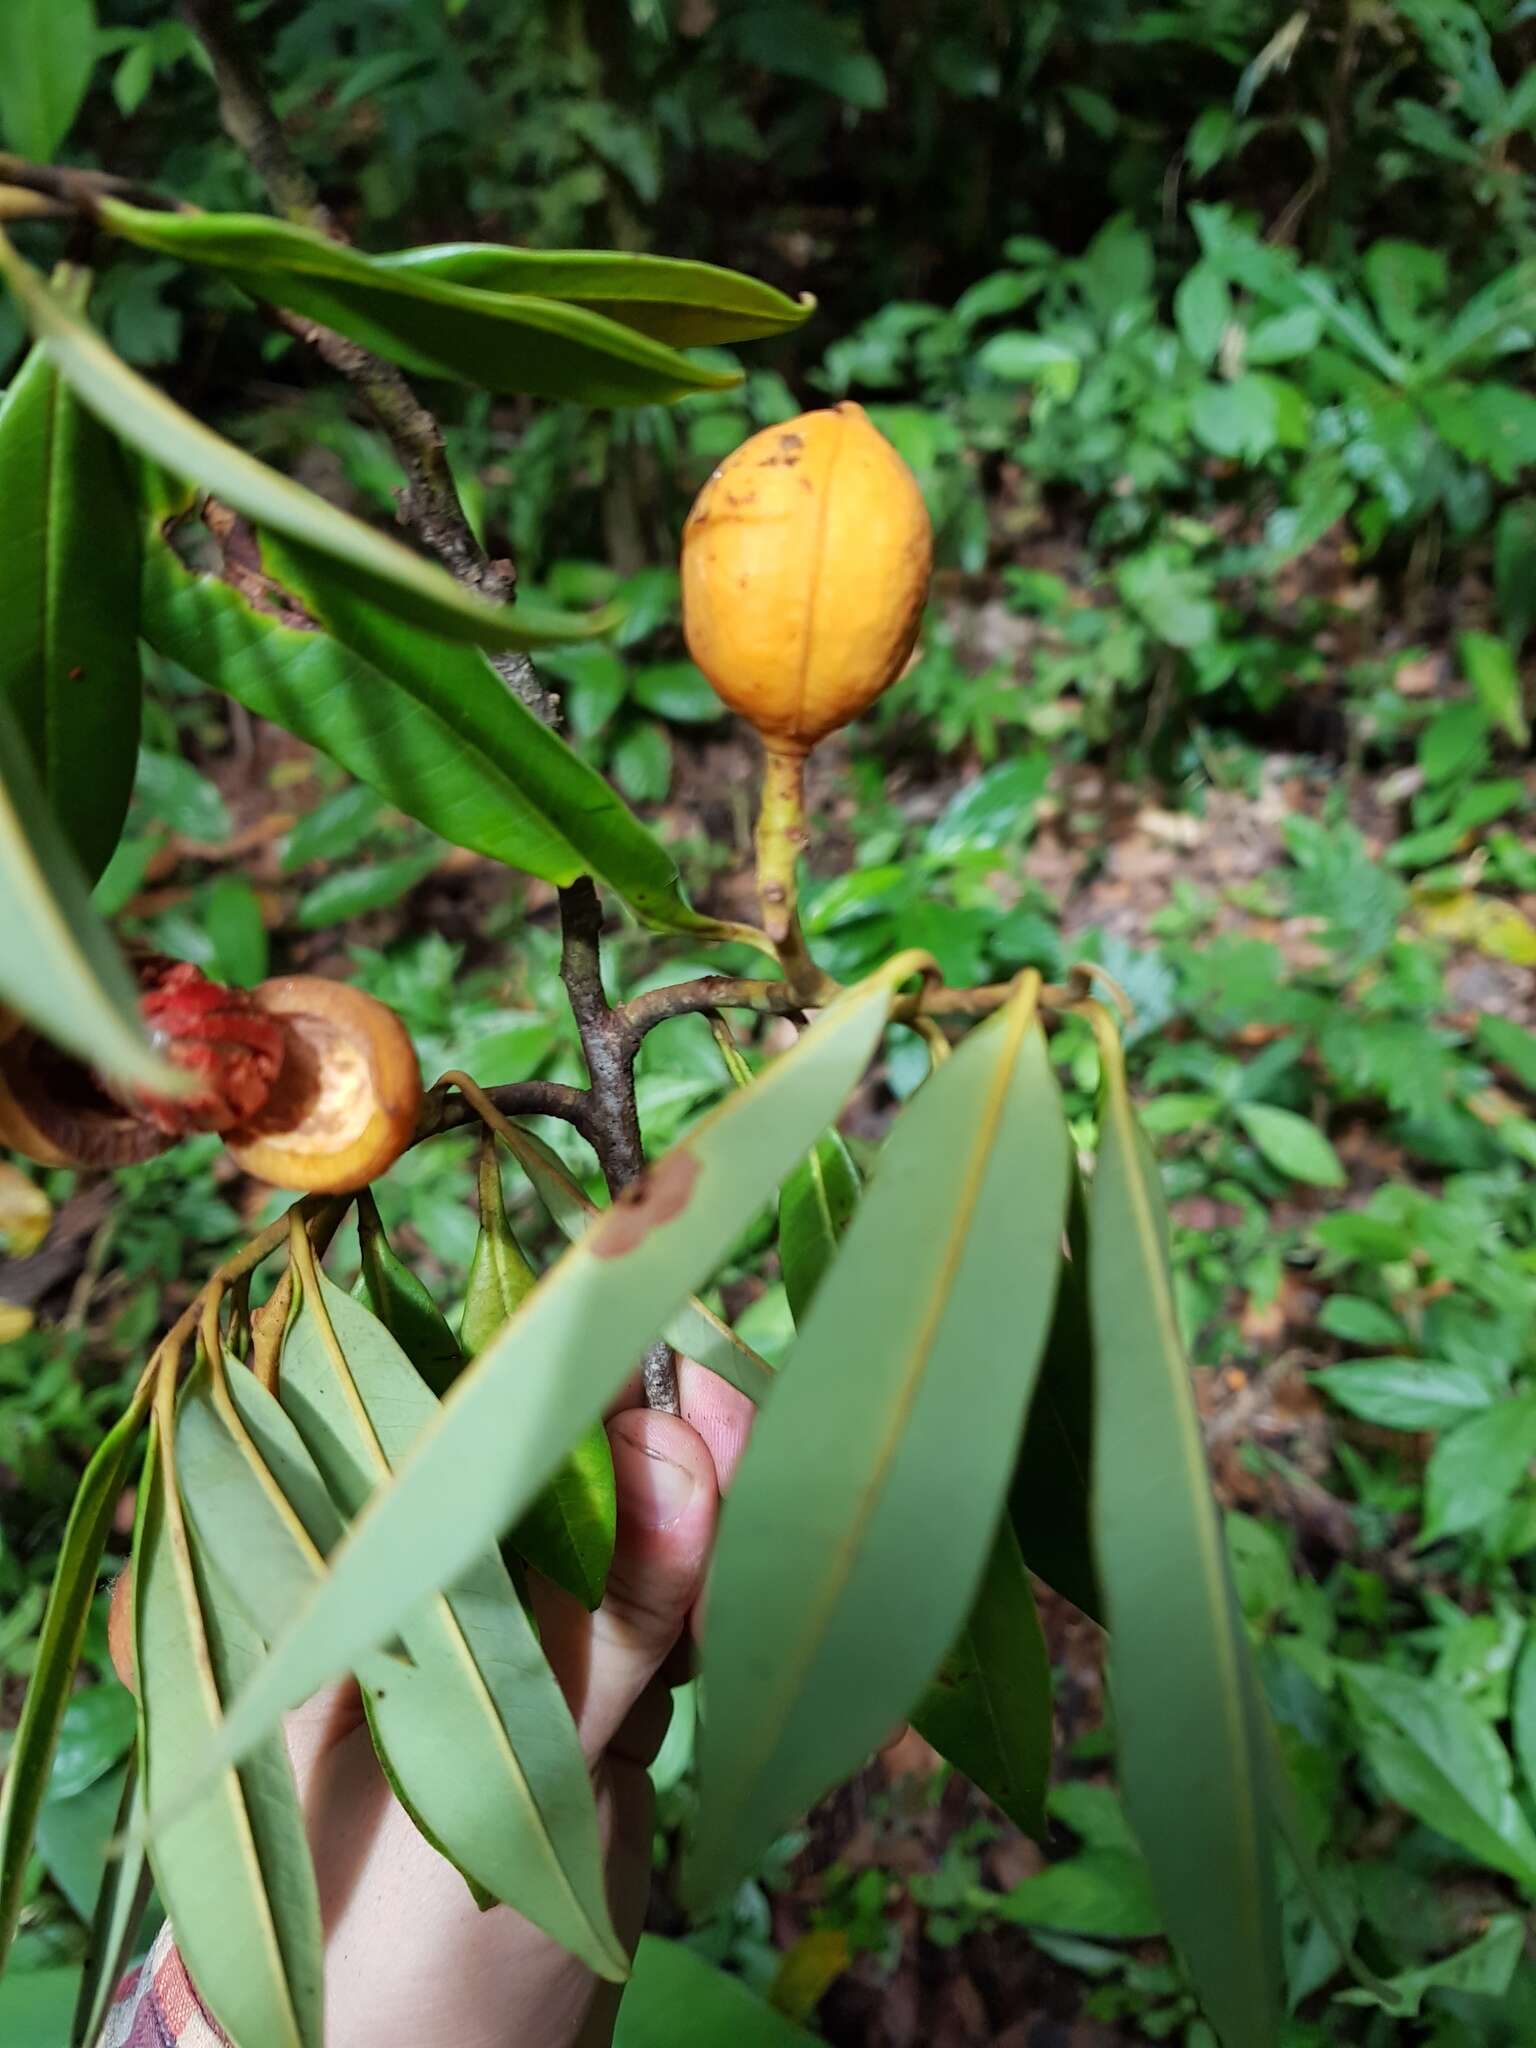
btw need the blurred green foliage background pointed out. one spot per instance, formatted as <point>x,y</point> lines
<point>1207,330</point>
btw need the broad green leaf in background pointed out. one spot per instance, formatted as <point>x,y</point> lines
<point>1522,1712</point>
<point>1512,1046</point>
<point>1050,1497</point>
<point>73,1834</point>
<point>431,727</point>
<point>416,315</point>
<point>875,1475</point>
<point>816,1205</point>
<point>1476,1466</point>
<point>482,1710</point>
<point>1187,1706</point>
<point>515,1412</point>
<point>1483,1969</point>
<point>1102,1892</point>
<point>376,566</point>
<point>674,299</point>
<point>675,1999</point>
<point>69,596</point>
<point>568,1531</point>
<point>1514,568</point>
<point>1490,668</point>
<point>58,1652</point>
<point>59,966</point>
<point>1435,1755</point>
<point>35,2005</point>
<point>181,797</point>
<point>1291,1144</point>
<point>47,53</point>
<point>988,1712</point>
<point>233,1868</point>
<point>402,1304</point>
<point>353,892</point>
<point>96,1733</point>
<point>116,1916</point>
<point>1407,1393</point>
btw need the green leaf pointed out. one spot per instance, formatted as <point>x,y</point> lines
<point>565,1354</point>
<point>35,2005</point>
<point>180,797</point>
<point>69,596</point>
<point>1512,1046</point>
<point>1284,336</point>
<point>495,340</point>
<point>233,1867</point>
<point>675,1997</point>
<point>1172,598</point>
<point>678,692</point>
<point>233,921</point>
<point>1291,1144</point>
<point>1476,1466</point>
<point>1018,358</point>
<point>1239,420</point>
<point>1202,311</point>
<point>479,769</point>
<point>1522,1711</point>
<point>1102,1892</point>
<point>483,1723</point>
<point>875,1475</point>
<point>989,1709</point>
<point>1484,1969</point>
<point>671,298</point>
<point>1407,1393</point>
<point>1437,1756</point>
<point>1490,668</point>
<point>354,892</point>
<point>73,1834</point>
<point>374,565</point>
<point>58,1652</point>
<point>568,1531</point>
<point>58,965</point>
<point>47,53</point>
<point>1514,568</point>
<point>1050,1496</point>
<point>387,1286</point>
<point>1187,1707</point>
<point>116,1917</point>
<point>816,1205</point>
<point>96,1733</point>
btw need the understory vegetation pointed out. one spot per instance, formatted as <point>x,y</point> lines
<point>1207,330</point>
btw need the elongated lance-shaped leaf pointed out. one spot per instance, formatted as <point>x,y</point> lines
<point>402,1304</point>
<point>695,1330</point>
<point>558,323</point>
<point>160,430</point>
<point>816,1204</point>
<point>1050,1499</point>
<point>678,1998</point>
<point>430,726</point>
<point>521,1405</point>
<point>117,1916</point>
<point>874,1478</point>
<point>674,299</point>
<point>1187,1706</point>
<point>59,966</point>
<point>568,1530</point>
<point>58,1653</point>
<point>69,596</point>
<point>484,1712</point>
<point>988,1712</point>
<point>233,1868</point>
<point>495,340</point>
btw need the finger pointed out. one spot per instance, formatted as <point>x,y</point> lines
<point>667,1498</point>
<point>721,1414</point>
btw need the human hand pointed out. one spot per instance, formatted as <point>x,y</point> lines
<point>409,1957</point>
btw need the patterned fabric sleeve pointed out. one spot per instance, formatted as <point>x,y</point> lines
<point>156,2006</point>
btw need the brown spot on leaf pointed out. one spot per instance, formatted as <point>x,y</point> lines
<point>660,1194</point>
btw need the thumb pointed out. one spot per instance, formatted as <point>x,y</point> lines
<point>667,1502</point>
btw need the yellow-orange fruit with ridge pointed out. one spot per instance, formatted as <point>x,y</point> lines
<point>805,564</point>
<point>345,1104</point>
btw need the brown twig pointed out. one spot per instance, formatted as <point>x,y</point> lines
<point>429,506</point>
<point>77,190</point>
<point>609,1050</point>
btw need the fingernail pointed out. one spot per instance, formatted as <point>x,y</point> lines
<point>657,1492</point>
